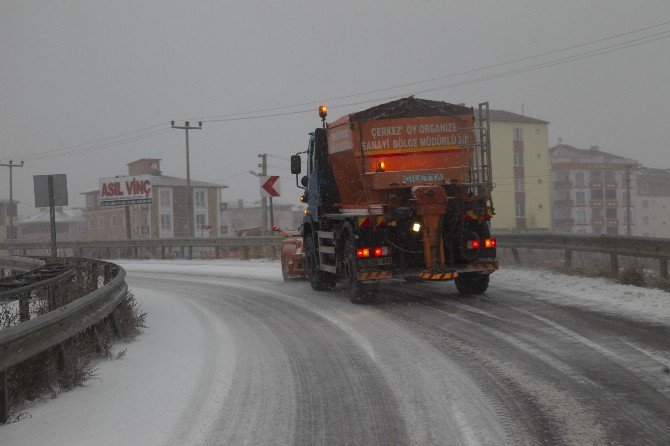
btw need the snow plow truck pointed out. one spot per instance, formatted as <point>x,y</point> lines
<point>398,191</point>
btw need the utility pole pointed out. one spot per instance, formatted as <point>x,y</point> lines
<point>627,179</point>
<point>264,200</point>
<point>11,166</point>
<point>190,226</point>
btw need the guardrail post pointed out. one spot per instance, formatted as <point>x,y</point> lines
<point>62,357</point>
<point>247,252</point>
<point>114,324</point>
<point>614,263</point>
<point>190,252</point>
<point>663,266</point>
<point>96,338</point>
<point>4,398</point>
<point>568,259</point>
<point>136,252</point>
<point>24,307</point>
<point>51,297</point>
<point>217,252</point>
<point>516,256</point>
<point>162,252</point>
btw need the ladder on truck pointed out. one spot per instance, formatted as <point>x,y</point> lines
<point>480,167</point>
<point>326,244</point>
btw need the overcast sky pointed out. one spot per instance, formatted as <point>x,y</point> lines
<point>78,71</point>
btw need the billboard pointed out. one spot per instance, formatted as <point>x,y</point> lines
<point>121,191</point>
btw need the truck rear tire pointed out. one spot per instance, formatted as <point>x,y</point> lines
<point>319,280</point>
<point>357,291</point>
<point>472,283</point>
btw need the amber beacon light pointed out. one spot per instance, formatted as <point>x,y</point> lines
<point>323,111</point>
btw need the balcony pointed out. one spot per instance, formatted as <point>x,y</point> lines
<point>596,203</point>
<point>564,222</point>
<point>596,185</point>
<point>611,185</point>
<point>562,203</point>
<point>563,184</point>
<point>612,203</point>
<point>612,222</point>
<point>597,221</point>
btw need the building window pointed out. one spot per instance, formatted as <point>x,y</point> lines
<point>611,213</point>
<point>166,222</point>
<point>596,177</point>
<point>612,230</point>
<point>645,204</point>
<point>644,188</point>
<point>580,197</point>
<point>520,211</point>
<point>597,194</point>
<point>581,231</point>
<point>166,198</point>
<point>645,220</point>
<point>610,194</point>
<point>101,222</point>
<point>224,229</point>
<point>200,198</point>
<point>518,185</point>
<point>93,223</point>
<point>113,223</point>
<point>581,216</point>
<point>610,177</point>
<point>579,179</point>
<point>517,134</point>
<point>199,221</point>
<point>518,159</point>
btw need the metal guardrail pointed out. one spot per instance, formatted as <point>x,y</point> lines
<point>614,245</point>
<point>101,246</point>
<point>20,263</point>
<point>27,339</point>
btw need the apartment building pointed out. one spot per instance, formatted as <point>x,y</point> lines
<point>7,217</point>
<point>164,213</point>
<point>241,219</point>
<point>70,225</point>
<point>521,171</point>
<point>652,216</point>
<point>591,191</point>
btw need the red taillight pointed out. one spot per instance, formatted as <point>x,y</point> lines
<point>485,243</point>
<point>377,251</point>
<point>363,252</point>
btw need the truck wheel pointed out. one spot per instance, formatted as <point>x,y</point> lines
<point>358,292</point>
<point>472,283</point>
<point>319,280</point>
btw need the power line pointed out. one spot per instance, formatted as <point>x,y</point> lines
<point>37,157</point>
<point>95,141</point>
<point>93,144</point>
<point>446,76</point>
<point>586,55</point>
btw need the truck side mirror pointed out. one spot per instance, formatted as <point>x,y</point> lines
<point>296,164</point>
<point>304,180</point>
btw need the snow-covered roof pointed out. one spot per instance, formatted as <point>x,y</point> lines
<point>62,215</point>
<point>565,150</point>
<point>505,116</point>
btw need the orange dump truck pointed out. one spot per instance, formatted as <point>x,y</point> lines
<point>400,190</point>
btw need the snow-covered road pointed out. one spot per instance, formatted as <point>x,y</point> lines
<point>234,355</point>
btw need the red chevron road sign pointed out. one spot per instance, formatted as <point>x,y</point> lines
<point>270,186</point>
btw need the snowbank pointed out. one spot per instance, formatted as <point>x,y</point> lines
<point>596,294</point>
